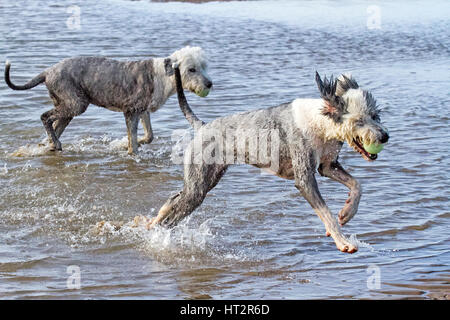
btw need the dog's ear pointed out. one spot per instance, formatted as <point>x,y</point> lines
<point>345,83</point>
<point>333,104</point>
<point>168,66</point>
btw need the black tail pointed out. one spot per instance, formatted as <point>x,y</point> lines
<point>31,84</point>
<point>195,122</point>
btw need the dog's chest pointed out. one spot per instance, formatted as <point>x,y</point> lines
<point>326,152</point>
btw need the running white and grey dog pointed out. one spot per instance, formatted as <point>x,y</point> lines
<point>135,88</point>
<point>311,133</point>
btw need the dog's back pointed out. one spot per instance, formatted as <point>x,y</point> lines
<point>108,83</point>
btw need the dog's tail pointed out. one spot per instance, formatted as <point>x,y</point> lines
<point>31,84</point>
<point>195,122</point>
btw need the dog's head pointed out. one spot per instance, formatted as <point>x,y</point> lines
<point>354,112</point>
<point>193,65</point>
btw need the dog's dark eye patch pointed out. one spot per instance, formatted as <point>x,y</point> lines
<point>192,70</point>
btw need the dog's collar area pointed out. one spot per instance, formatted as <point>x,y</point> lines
<point>357,145</point>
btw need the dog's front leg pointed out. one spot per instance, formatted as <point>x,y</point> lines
<point>335,171</point>
<point>307,185</point>
<point>132,120</point>
<point>148,132</point>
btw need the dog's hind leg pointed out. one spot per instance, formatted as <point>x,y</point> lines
<point>335,171</point>
<point>68,104</point>
<point>60,125</point>
<point>198,181</point>
<point>48,118</point>
<point>148,132</point>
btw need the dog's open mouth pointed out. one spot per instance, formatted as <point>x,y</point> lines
<point>358,146</point>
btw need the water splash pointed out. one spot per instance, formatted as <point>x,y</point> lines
<point>30,150</point>
<point>118,144</point>
<point>360,244</point>
<point>182,244</point>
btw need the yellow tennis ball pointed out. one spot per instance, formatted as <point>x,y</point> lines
<point>202,93</point>
<point>373,148</point>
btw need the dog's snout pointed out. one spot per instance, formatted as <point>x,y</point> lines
<point>384,137</point>
<point>208,84</point>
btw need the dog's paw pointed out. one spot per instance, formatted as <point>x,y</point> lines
<point>346,214</point>
<point>350,208</point>
<point>132,152</point>
<point>145,140</point>
<point>55,147</point>
<point>344,245</point>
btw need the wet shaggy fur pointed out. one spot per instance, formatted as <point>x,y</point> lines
<point>134,88</point>
<point>311,133</point>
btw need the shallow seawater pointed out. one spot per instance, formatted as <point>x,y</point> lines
<point>254,236</point>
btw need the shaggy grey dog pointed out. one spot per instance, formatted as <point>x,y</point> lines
<point>135,88</point>
<point>310,135</point>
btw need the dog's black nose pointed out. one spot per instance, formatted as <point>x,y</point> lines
<point>384,137</point>
<point>208,84</point>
